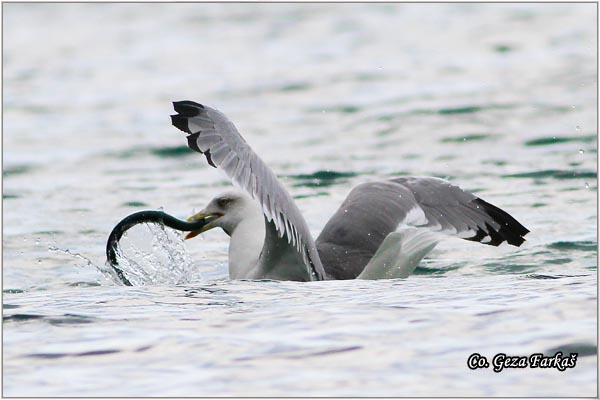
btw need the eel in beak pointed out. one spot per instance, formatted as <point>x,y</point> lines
<point>207,218</point>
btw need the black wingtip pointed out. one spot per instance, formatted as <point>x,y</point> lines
<point>180,122</point>
<point>209,158</point>
<point>192,142</point>
<point>510,229</point>
<point>479,235</point>
<point>188,108</point>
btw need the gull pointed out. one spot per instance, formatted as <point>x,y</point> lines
<point>382,230</point>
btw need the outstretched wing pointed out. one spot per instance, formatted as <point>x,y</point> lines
<point>214,135</point>
<point>373,210</point>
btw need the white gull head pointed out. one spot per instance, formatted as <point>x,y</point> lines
<point>242,219</point>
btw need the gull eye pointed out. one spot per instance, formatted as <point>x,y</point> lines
<point>224,202</point>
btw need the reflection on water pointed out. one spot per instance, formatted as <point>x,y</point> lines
<point>501,98</point>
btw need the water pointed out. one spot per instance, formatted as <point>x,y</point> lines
<point>498,98</point>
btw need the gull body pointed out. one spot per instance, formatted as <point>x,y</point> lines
<point>381,230</point>
<point>252,253</point>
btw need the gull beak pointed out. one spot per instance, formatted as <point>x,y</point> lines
<point>208,218</point>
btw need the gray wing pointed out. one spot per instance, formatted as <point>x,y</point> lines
<point>214,135</point>
<point>373,210</point>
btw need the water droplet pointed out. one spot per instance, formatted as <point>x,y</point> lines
<point>587,185</point>
<point>24,239</point>
<point>380,68</point>
<point>37,241</point>
<point>577,128</point>
<point>345,211</point>
<point>464,139</point>
<point>581,151</point>
<point>39,262</point>
<point>573,107</point>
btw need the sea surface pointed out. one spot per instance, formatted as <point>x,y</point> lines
<point>498,98</point>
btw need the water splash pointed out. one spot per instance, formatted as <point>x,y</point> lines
<point>160,259</point>
<point>104,270</point>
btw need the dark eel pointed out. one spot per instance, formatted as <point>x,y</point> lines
<point>141,217</point>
